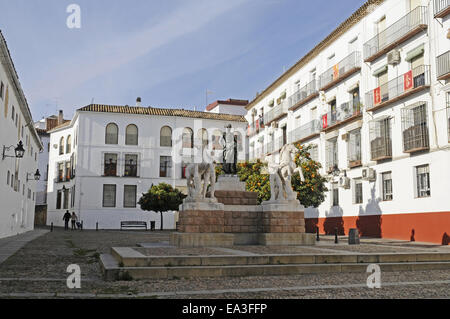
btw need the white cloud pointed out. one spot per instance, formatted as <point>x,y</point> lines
<point>109,55</point>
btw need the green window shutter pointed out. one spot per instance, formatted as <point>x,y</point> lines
<point>380,70</point>
<point>416,52</point>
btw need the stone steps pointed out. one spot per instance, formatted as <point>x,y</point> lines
<point>112,271</point>
<point>128,263</point>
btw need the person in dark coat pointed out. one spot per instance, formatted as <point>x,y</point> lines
<point>66,219</point>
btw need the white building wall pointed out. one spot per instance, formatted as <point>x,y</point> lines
<point>436,42</point>
<point>90,151</point>
<point>17,210</point>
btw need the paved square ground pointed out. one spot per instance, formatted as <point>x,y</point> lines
<point>38,269</point>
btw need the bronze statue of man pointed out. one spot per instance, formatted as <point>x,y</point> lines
<point>230,151</point>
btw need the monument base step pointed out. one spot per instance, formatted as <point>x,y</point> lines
<point>196,240</point>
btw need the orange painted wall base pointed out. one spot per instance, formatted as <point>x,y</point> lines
<point>421,227</point>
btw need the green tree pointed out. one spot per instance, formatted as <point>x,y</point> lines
<point>311,192</point>
<point>161,198</point>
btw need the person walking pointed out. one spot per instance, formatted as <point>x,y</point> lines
<point>74,219</point>
<point>66,219</point>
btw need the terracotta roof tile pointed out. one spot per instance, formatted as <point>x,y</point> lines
<point>161,112</point>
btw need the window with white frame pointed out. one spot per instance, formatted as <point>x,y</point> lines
<point>423,181</point>
<point>110,165</point>
<point>386,184</point>
<point>358,192</point>
<point>131,165</point>
<point>354,148</point>
<point>335,194</point>
<point>314,153</point>
<point>129,196</point>
<point>165,165</point>
<point>109,195</point>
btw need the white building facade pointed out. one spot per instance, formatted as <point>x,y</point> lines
<point>18,185</point>
<point>102,162</point>
<point>373,100</point>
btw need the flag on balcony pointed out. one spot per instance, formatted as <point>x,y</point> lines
<point>408,81</point>
<point>335,71</point>
<point>325,121</point>
<point>377,96</point>
<point>249,130</point>
<point>257,126</point>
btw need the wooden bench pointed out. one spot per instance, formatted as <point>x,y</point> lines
<point>133,224</point>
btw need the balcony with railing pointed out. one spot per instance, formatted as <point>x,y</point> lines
<point>304,95</point>
<point>255,127</point>
<point>409,83</point>
<point>415,128</point>
<point>345,113</point>
<point>305,132</point>
<point>354,149</point>
<point>339,72</point>
<point>274,145</point>
<point>443,66</point>
<point>380,139</point>
<point>331,156</point>
<point>441,8</point>
<point>277,112</point>
<point>409,25</point>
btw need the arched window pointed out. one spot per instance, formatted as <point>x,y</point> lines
<point>69,144</point>
<point>188,138</point>
<point>112,134</point>
<point>202,136</point>
<point>217,135</point>
<point>131,136</point>
<point>165,139</point>
<point>61,146</point>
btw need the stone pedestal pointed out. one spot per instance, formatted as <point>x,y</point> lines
<point>237,220</point>
<point>229,183</point>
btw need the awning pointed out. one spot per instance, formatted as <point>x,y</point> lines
<point>416,52</point>
<point>380,70</point>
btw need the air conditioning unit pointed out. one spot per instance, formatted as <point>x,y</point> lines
<point>274,124</point>
<point>55,146</point>
<point>368,174</point>
<point>344,182</point>
<point>394,57</point>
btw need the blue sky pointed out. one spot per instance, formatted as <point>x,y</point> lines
<point>166,51</point>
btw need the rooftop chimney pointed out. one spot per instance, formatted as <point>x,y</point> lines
<point>60,117</point>
<point>138,101</point>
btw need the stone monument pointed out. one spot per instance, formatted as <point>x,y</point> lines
<point>229,215</point>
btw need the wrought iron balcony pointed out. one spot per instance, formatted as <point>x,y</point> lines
<point>380,139</point>
<point>443,66</point>
<point>274,145</point>
<point>255,127</point>
<point>340,71</point>
<point>413,81</point>
<point>304,95</point>
<point>277,112</point>
<point>441,8</point>
<point>405,28</point>
<point>305,131</point>
<point>415,128</point>
<point>342,113</point>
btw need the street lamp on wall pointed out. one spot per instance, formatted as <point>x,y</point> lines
<point>18,150</point>
<point>36,176</point>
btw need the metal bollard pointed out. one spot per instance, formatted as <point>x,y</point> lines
<point>51,227</point>
<point>96,226</point>
<point>336,240</point>
<point>81,225</point>
<point>318,237</point>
